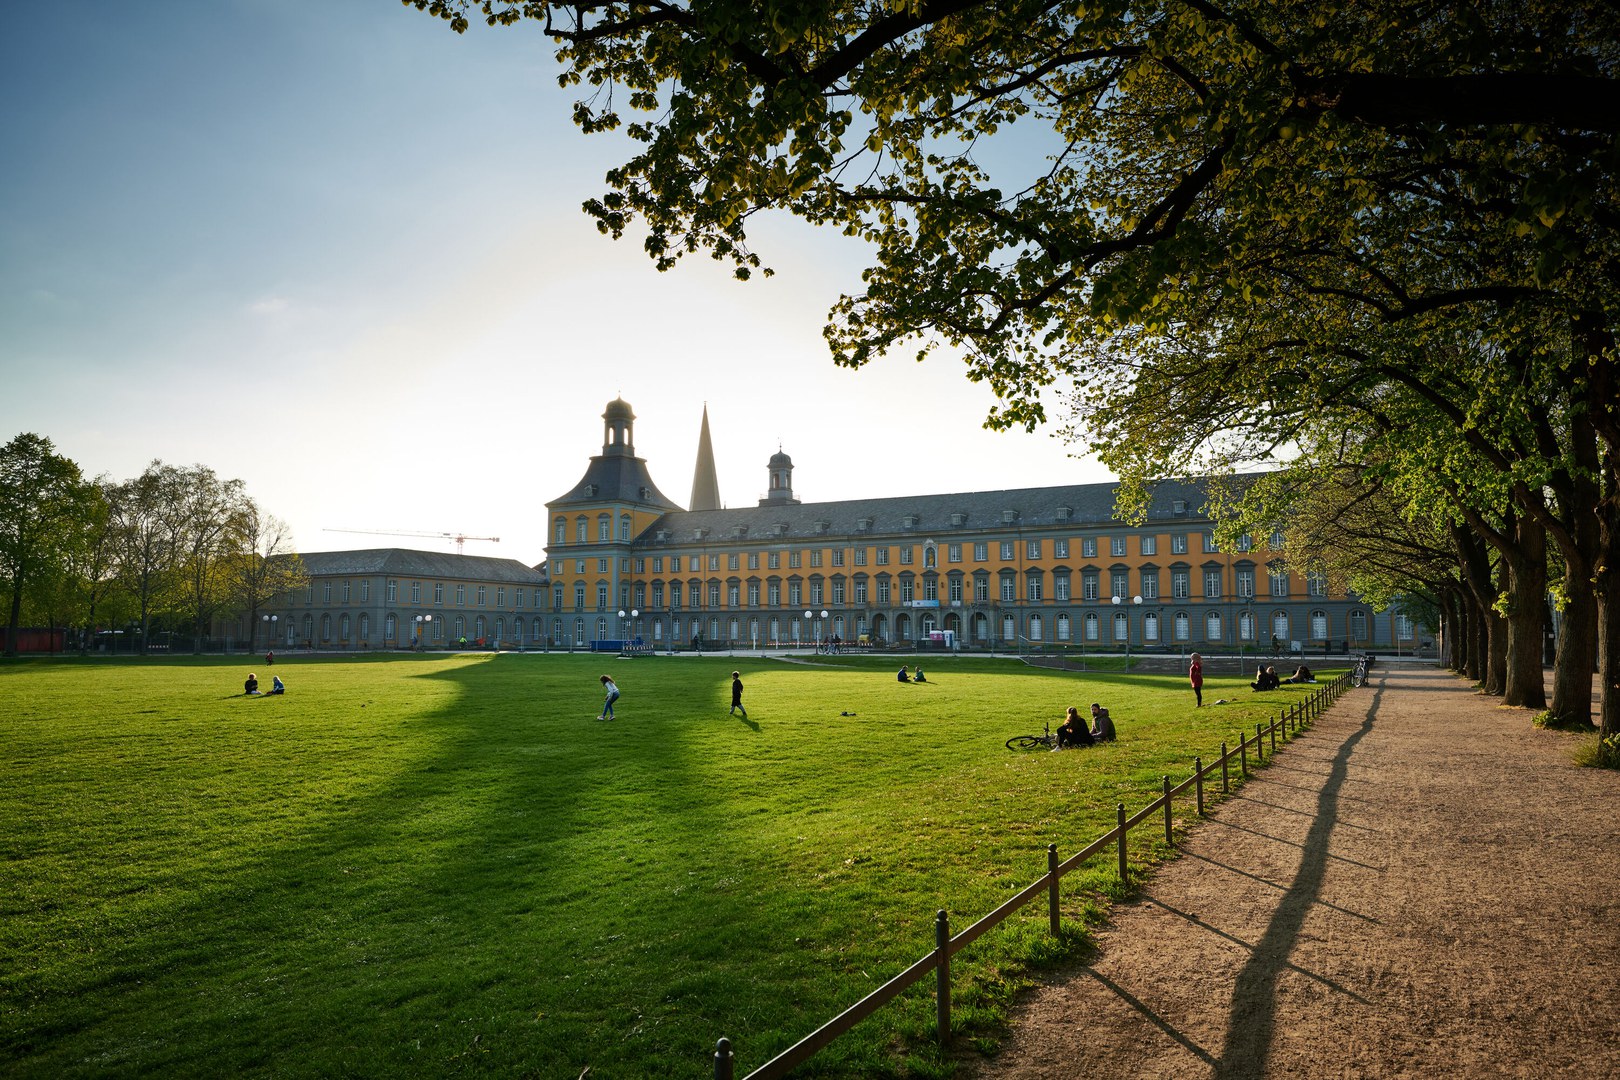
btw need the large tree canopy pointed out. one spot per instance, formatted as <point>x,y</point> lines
<point>1025,168</point>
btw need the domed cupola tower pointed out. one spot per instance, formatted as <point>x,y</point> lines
<point>618,429</point>
<point>780,493</point>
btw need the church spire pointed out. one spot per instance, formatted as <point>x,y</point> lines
<point>705,483</point>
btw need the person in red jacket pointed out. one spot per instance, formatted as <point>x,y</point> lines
<point>1195,676</point>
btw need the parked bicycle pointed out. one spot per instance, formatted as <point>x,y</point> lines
<point>1046,741</point>
<point>1358,671</point>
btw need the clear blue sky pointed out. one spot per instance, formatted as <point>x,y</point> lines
<point>334,250</point>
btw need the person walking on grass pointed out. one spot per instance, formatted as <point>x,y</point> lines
<point>1195,676</point>
<point>736,694</point>
<point>612,692</point>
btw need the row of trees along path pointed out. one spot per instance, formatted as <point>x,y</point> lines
<point>1423,884</point>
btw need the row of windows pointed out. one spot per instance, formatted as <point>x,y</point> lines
<point>1181,627</point>
<point>1033,549</point>
<point>344,592</point>
<point>352,631</point>
<point>906,588</point>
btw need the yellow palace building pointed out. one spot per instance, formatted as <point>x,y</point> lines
<point>1006,569</point>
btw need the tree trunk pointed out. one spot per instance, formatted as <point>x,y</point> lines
<point>1607,582</point>
<point>1525,561</point>
<point>1577,653</point>
<point>1491,649</point>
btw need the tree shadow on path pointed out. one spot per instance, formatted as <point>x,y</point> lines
<point>1252,1021</point>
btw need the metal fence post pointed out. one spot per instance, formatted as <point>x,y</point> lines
<point>1052,889</point>
<point>722,1060</point>
<point>1226,769</point>
<point>1198,782</point>
<point>942,944</point>
<point>1121,829</point>
<point>1169,833</point>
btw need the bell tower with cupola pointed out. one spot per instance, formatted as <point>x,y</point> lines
<point>592,530</point>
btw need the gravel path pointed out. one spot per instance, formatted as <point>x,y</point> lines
<point>1422,885</point>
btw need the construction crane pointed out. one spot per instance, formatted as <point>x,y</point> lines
<point>460,538</point>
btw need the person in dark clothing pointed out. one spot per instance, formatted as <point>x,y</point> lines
<point>736,694</point>
<point>903,677</point>
<point>1102,725</point>
<point>1266,679</point>
<point>251,686</point>
<point>1073,731</point>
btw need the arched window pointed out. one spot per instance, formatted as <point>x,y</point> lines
<point>1035,628</point>
<point>1279,626</point>
<point>388,627</point>
<point>1122,626</point>
<point>326,628</point>
<point>1212,626</point>
<point>1183,627</point>
<point>1093,626</point>
<point>624,526</point>
<point>1319,625</point>
<point>1358,625</point>
<point>1150,626</point>
<point>1063,627</point>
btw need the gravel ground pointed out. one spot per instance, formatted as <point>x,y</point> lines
<point>1422,885</point>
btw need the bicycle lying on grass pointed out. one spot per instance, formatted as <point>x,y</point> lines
<point>1047,741</point>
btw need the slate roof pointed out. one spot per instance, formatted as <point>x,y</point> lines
<point>980,511</point>
<point>404,562</point>
<point>617,478</point>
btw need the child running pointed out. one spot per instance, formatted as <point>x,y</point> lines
<point>736,694</point>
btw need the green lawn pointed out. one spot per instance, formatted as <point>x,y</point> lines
<point>437,865</point>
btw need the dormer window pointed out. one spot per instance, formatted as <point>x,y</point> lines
<point>958,519</point>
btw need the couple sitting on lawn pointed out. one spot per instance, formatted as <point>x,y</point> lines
<point>1075,733</point>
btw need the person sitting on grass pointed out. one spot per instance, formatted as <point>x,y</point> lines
<point>1102,725</point>
<point>1073,731</point>
<point>1266,679</point>
<point>918,675</point>
<point>903,677</point>
<point>1301,674</point>
<point>276,685</point>
<point>251,686</point>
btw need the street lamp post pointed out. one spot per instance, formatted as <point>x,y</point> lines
<point>809,617</point>
<point>270,629</point>
<point>422,623</point>
<point>821,628</point>
<point>1136,601</point>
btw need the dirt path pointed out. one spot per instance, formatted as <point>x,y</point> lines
<point>1422,885</point>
